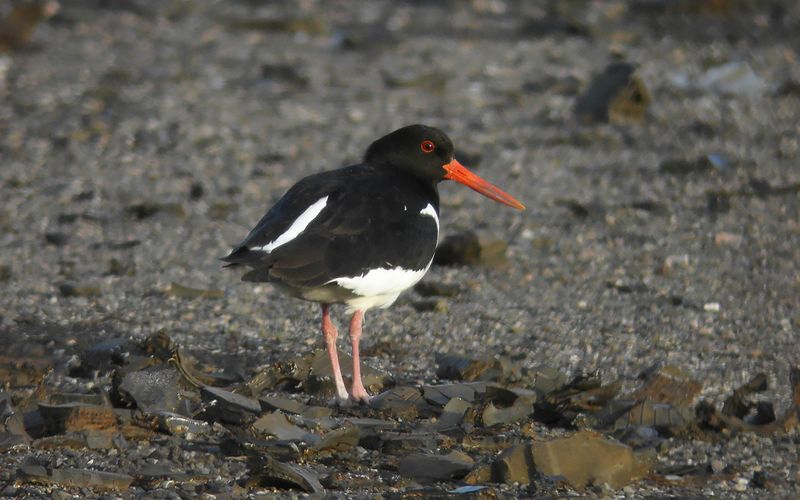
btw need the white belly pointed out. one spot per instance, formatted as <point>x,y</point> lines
<point>379,287</point>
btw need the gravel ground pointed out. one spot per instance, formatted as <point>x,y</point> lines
<point>140,140</point>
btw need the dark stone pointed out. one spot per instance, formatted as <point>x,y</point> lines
<point>435,467</point>
<point>469,248</point>
<point>228,407</point>
<point>617,95</point>
<point>74,290</point>
<point>437,289</point>
<point>56,239</point>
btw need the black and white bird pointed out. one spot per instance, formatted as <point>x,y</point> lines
<point>359,235</point>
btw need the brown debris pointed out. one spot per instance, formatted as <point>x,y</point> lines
<point>669,385</point>
<point>70,417</point>
<point>16,29</point>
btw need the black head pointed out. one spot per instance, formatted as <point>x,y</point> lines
<point>418,149</point>
<point>427,153</point>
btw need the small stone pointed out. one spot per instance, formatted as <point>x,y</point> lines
<point>711,307</point>
<point>617,95</point>
<point>723,238</point>
<point>469,248</point>
<point>74,290</point>
<point>152,390</point>
<point>179,425</point>
<point>56,239</point>
<point>185,292</point>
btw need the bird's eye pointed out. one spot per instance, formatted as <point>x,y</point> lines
<point>427,146</point>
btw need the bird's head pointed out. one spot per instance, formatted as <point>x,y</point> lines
<point>428,153</point>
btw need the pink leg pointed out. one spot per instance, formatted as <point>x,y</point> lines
<point>330,334</point>
<point>357,391</point>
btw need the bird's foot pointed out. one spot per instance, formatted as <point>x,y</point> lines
<point>359,395</point>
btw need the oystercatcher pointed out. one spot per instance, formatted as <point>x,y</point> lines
<point>359,235</point>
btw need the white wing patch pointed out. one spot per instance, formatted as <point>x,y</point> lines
<point>430,211</point>
<point>297,227</point>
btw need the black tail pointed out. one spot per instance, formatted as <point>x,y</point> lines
<point>243,256</point>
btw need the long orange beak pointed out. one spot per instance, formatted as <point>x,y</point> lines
<point>459,173</point>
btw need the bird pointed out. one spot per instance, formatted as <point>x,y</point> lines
<point>359,235</point>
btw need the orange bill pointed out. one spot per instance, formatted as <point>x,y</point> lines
<point>459,173</point>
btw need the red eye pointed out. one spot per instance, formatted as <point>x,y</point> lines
<point>427,146</point>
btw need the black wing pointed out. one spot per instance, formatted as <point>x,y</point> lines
<point>371,219</point>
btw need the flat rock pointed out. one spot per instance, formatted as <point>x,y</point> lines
<point>437,467</point>
<point>339,440</point>
<point>78,478</point>
<point>180,425</point>
<point>228,407</point>
<point>402,402</point>
<point>276,424</point>
<point>286,405</point>
<point>452,415</point>
<point>441,394</point>
<point>270,472</point>
<point>588,458</point>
